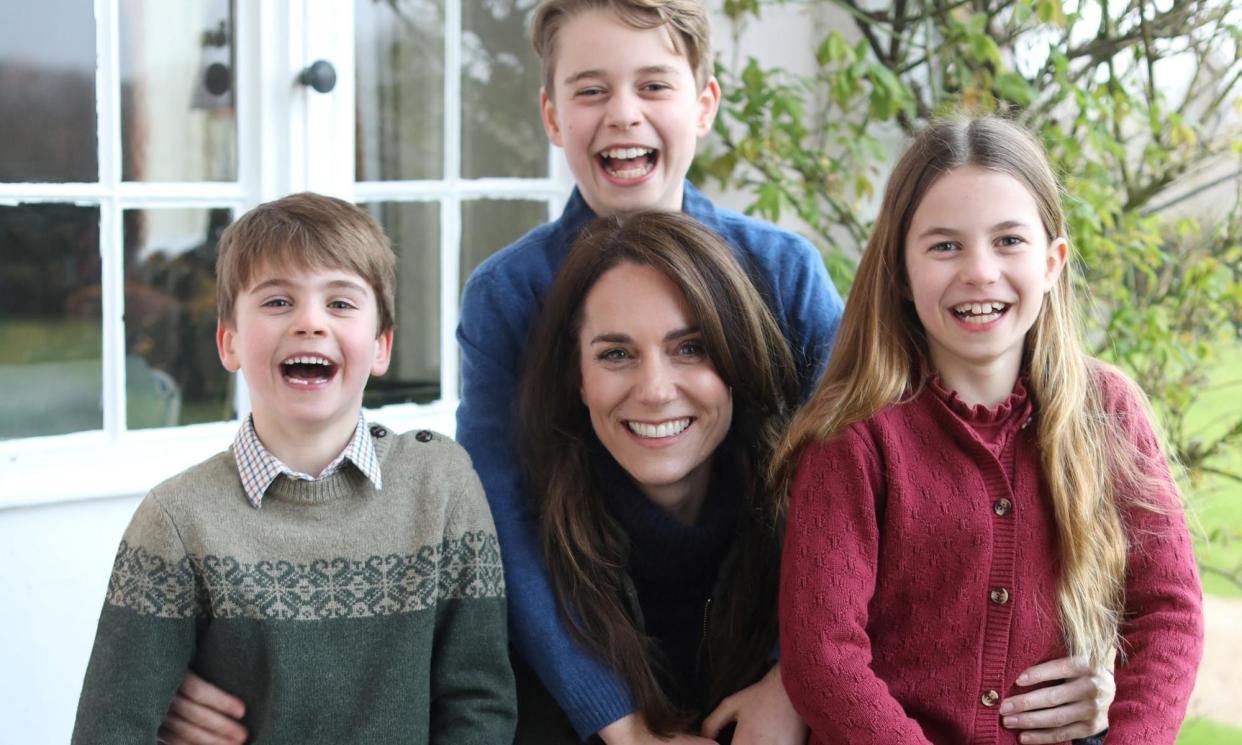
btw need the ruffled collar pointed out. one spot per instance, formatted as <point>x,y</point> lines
<point>978,415</point>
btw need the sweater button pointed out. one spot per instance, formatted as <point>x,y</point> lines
<point>378,431</point>
<point>1002,507</point>
<point>999,596</point>
<point>990,698</point>
<point>423,436</point>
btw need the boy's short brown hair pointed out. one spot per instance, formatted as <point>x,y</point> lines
<point>306,231</point>
<point>687,21</point>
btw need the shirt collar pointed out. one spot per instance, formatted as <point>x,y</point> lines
<point>578,214</point>
<point>259,468</point>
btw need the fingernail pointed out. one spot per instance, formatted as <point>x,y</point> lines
<point>1008,722</point>
<point>1006,708</point>
<point>1022,679</point>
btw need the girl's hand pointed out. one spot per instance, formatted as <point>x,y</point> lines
<point>763,714</point>
<point>632,730</point>
<point>202,714</point>
<point>1075,707</point>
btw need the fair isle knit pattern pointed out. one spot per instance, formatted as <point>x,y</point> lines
<point>259,468</point>
<point>338,612</point>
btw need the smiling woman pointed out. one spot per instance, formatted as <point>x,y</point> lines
<point>658,387</point>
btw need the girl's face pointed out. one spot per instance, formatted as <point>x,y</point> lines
<point>654,397</point>
<point>979,263</point>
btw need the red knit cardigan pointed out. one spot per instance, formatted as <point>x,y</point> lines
<point>919,579</point>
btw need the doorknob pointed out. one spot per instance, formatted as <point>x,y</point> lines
<point>321,76</point>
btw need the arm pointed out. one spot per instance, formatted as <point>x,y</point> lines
<point>1162,634</point>
<point>492,335</point>
<point>827,580</point>
<point>810,311</point>
<point>763,712</point>
<point>146,635</point>
<point>472,695</point>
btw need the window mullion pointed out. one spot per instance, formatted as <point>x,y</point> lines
<point>450,208</point>
<point>111,239</point>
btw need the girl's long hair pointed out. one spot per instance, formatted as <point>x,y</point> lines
<point>586,549</point>
<point>881,357</point>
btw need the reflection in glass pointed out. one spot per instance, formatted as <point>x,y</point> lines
<point>51,338</point>
<point>400,88</point>
<point>173,375</point>
<point>488,225</point>
<point>47,92</point>
<point>501,131</point>
<point>414,374</point>
<point>178,119</point>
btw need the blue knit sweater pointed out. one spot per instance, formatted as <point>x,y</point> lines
<point>499,303</point>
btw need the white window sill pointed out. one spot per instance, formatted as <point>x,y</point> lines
<point>87,465</point>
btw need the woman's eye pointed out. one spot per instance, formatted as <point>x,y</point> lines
<point>944,247</point>
<point>613,355</point>
<point>692,349</point>
<point>1010,241</point>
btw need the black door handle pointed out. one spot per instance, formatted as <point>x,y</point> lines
<point>321,76</point>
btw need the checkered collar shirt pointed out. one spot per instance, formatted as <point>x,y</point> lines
<point>259,468</point>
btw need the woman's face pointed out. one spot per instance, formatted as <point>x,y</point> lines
<point>654,397</point>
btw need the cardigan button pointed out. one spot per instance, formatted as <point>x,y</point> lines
<point>999,596</point>
<point>990,698</point>
<point>423,436</point>
<point>378,431</point>
<point>1002,507</point>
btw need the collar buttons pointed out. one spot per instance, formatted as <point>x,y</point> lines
<point>423,436</point>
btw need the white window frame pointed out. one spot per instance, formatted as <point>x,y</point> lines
<point>289,139</point>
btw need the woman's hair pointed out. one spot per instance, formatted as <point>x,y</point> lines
<point>881,357</point>
<point>586,549</point>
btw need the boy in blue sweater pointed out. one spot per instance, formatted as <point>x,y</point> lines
<point>628,92</point>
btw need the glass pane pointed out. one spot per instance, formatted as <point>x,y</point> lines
<point>414,374</point>
<point>400,88</point>
<point>501,131</point>
<point>51,335</point>
<point>178,120</point>
<point>172,372</point>
<point>489,225</point>
<point>47,92</point>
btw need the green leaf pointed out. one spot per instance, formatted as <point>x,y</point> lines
<point>1014,88</point>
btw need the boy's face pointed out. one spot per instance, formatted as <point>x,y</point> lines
<point>306,342</point>
<point>627,112</point>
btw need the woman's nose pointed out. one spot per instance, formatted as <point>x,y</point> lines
<point>657,383</point>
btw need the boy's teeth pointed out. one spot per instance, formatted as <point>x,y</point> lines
<point>663,429</point>
<point>626,153</point>
<point>307,361</point>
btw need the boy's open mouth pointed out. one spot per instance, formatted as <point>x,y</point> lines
<point>628,162</point>
<point>308,369</point>
<point>980,313</point>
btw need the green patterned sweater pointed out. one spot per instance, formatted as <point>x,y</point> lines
<point>336,612</point>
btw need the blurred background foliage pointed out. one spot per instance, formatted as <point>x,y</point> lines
<point>1138,105</point>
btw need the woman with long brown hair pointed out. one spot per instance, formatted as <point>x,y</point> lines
<point>659,386</point>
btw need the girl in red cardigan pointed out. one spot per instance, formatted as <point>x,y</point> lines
<point>970,493</point>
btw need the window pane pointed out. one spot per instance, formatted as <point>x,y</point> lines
<point>47,92</point>
<point>172,372</point>
<point>414,374</point>
<point>400,87</point>
<point>501,131</point>
<point>489,225</point>
<point>178,120</point>
<point>50,330</point>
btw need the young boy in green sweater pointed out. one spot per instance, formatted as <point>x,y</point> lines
<point>341,579</point>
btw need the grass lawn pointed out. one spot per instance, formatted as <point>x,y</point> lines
<point>1216,504</point>
<point>1204,732</point>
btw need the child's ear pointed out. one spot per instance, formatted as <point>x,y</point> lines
<point>709,103</point>
<point>1058,254</point>
<point>551,122</point>
<point>383,353</point>
<point>226,345</point>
